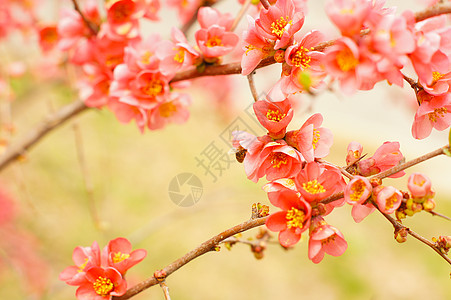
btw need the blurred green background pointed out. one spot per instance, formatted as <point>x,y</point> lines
<point>128,173</point>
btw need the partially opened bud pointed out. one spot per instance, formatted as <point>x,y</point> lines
<point>358,190</point>
<point>388,199</point>
<point>419,185</point>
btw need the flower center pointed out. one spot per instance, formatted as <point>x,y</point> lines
<point>278,159</point>
<point>145,58</point>
<point>313,187</point>
<point>103,286</point>
<point>167,109</point>
<point>153,88</point>
<point>346,60</point>
<point>214,41</point>
<point>118,257</point>
<point>301,58</point>
<point>436,76</point>
<point>278,26</point>
<point>50,35</point>
<point>328,240</point>
<point>295,218</point>
<point>357,190</point>
<point>316,137</point>
<point>180,56</point>
<point>390,201</point>
<point>274,115</point>
<point>437,113</point>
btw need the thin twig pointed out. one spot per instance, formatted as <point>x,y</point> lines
<point>53,121</point>
<point>240,14</point>
<point>433,11</point>
<point>205,247</point>
<point>165,289</point>
<point>434,213</point>
<point>398,226</point>
<point>92,27</point>
<point>250,78</point>
<point>86,178</point>
<point>392,171</point>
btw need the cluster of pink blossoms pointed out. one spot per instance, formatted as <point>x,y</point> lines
<point>100,275</point>
<point>376,45</point>
<point>300,180</point>
<point>130,74</point>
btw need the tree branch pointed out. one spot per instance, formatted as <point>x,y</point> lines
<point>203,248</point>
<point>92,27</point>
<point>433,11</point>
<point>398,226</point>
<point>53,121</point>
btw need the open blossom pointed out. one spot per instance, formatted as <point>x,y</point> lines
<point>275,159</point>
<point>84,258</point>
<point>348,15</point>
<point>434,112</point>
<point>279,23</point>
<point>173,110</point>
<point>120,255</point>
<point>102,283</point>
<point>388,199</point>
<point>256,48</point>
<point>123,20</point>
<point>441,83</point>
<point>208,16</point>
<point>215,41</point>
<point>358,190</point>
<point>419,185</point>
<point>325,238</point>
<point>316,182</point>
<point>386,156</point>
<point>311,140</point>
<point>274,116</point>
<point>292,221</point>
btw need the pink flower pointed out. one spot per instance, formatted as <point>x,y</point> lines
<point>208,16</point>
<point>48,37</point>
<point>141,54</point>
<point>122,17</point>
<point>275,159</point>
<point>175,55</point>
<point>174,109</point>
<point>354,152</point>
<point>315,182</point>
<point>126,112</point>
<point>388,199</point>
<point>348,15</point>
<point>292,221</point>
<point>274,116</point>
<point>186,9</point>
<point>441,83</point>
<point>325,238</point>
<point>311,140</point>
<point>120,255</point>
<point>84,258</point>
<point>300,55</point>
<point>256,48</point>
<point>386,156</point>
<point>434,112</point>
<point>419,185</point>
<point>274,188</point>
<point>102,283</point>
<point>349,64</point>
<point>215,41</point>
<point>358,190</point>
<point>71,29</point>
<point>279,23</point>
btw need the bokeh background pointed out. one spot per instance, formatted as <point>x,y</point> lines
<point>95,179</point>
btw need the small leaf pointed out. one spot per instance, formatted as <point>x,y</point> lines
<point>447,152</point>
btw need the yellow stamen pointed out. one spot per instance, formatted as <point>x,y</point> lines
<point>437,113</point>
<point>295,218</point>
<point>167,109</point>
<point>145,58</point>
<point>278,159</point>
<point>278,26</point>
<point>103,286</point>
<point>214,41</point>
<point>313,187</point>
<point>153,88</point>
<point>436,76</point>
<point>390,201</point>
<point>316,138</point>
<point>118,257</point>
<point>346,60</point>
<point>180,55</point>
<point>83,266</point>
<point>301,59</point>
<point>358,188</point>
<point>275,115</point>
